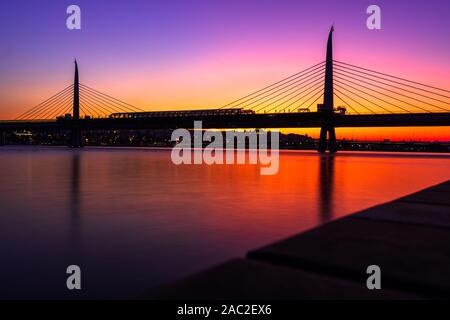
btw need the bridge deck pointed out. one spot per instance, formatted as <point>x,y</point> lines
<point>407,238</point>
<point>274,120</point>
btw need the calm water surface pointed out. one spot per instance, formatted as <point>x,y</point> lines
<point>132,220</point>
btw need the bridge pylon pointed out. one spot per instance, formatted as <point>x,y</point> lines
<point>75,140</point>
<point>327,108</point>
<point>2,137</point>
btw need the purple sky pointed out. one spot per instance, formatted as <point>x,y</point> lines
<point>172,54</point>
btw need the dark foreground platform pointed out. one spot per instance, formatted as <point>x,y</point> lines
<point>409,239</point>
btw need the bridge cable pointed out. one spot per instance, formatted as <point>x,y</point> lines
<point>310,81</point>
<point>101,112</point>
<point>348,104</point>
<point>114,99</point>
<point>400,83</point>
<point>314,87</point>
<point>108,105</point>
<point>87,111</point>
<point>386,95</point>
<point>317,89</point>
<point>321,95</point>
<point>44,103</point>
<point>319,82</point>
<point>282,88</point>
<point>395,92</point>
<point>388,75</point>
<point>335,89</point>
<point>108,102</point>
<point>45,114</point>
<point>88,108</point>
<point>338,85</point>
<point>61,111</point>
<point>39,114</point>
<point>69,107</point>
<point>83,111</point>
<point>347,73</point>
<point>286,80</point>
<point>48,113</point>
<point>371,95</point>
<point>99,103</point>
<point>41,111</point>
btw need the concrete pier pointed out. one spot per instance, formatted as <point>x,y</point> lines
<point>76,138</point>
<point>2,137</point>
<point>409,239</point>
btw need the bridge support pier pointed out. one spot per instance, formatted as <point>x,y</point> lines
<point>327,108</point>
<point>75,140</point>
<point>2,137</point>
<point>331,143</point>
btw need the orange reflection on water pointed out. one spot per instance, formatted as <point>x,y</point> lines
<point>147,221</point>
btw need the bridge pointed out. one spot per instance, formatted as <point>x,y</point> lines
<point>350,96</point>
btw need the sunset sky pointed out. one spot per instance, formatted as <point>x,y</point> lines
<point>162,55</point>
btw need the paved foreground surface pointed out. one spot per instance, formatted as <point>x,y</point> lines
<point>409,239</point>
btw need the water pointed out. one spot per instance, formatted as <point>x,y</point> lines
<point>132,220</point>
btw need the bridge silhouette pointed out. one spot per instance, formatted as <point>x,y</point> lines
<point>352,96</point>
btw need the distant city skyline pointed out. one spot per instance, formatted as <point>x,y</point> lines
<point>204,54</point>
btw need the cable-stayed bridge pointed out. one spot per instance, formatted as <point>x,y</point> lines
<point>327,95</point>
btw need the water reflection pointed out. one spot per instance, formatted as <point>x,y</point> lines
<point>132,219</point>
<point>75,201</point>
<point>326,187</point>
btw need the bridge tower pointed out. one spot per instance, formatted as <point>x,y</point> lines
<point>75,131</point>
<point>327,108</point>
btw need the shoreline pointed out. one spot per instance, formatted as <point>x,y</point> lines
<point>124,147</point>
<point>406,238</point>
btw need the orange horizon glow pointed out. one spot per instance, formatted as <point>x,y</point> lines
<point>417,134</point>
<point>219,80</point>
<point>209,66</point>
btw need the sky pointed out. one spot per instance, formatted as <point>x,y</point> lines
<point>162,55</point>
